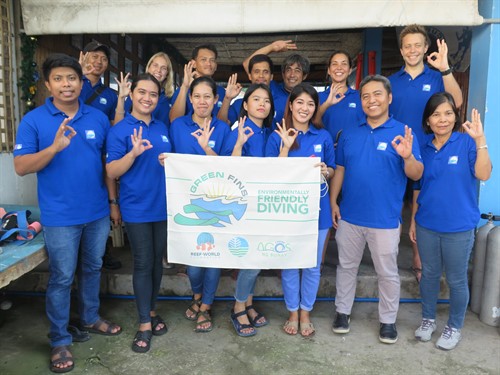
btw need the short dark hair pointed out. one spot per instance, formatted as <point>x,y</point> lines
<point>209,81</point>
<point>376,78</point>
<point>210,47</point>
<point>435,101</point>
<point>251,89</point>
<point>145,77</point>
<point>258,59</point>
<point>60,60</point>
<point>296,59</point>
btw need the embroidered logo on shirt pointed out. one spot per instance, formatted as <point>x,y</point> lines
<point>164,138</point>
<point>382,146</point>
<point>426,87</point>
<point>219,104</point>
<point>318,148</point>
<point>103,101</point>
<point>18,146</point>
<point>352,105</point>
<point>89,134</point>
<point>211,144</point>
<point>453,160</point>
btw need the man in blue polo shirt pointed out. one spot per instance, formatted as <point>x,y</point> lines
<point>374,160</point>
<point>294,70</point>
<point>414,84</point>
<point>63,142</point>
<point>202,64</point>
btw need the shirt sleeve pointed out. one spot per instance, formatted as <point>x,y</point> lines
<point>27,137</point>
<point>229,143</point>
<point>329,151</point>
<point>273,145</point>
<point>116,145</point>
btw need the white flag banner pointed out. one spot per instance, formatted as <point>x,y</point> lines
<point>242,212</point>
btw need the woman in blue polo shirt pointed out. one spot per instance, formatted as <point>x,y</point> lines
<point>298,137</point>
<point>133,146</point>
<point>200,133</point>
<point>249,139</point>
<point>445,212</point>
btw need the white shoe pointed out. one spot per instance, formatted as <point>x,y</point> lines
<point>426,329</point>
<point>449,338</point>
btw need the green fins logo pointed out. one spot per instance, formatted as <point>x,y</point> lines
<point>219,197</point>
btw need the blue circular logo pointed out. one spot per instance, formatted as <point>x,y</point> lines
<point>238,246</point>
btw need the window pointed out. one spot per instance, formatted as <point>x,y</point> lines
<point>7,123</point>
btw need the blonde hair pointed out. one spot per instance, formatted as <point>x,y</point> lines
<point>413,29</point>
<point>168,82</point>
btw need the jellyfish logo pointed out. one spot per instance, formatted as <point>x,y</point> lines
<point>205,242</point>
<point>238,246</point>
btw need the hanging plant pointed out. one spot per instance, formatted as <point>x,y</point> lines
<point>29,73</point>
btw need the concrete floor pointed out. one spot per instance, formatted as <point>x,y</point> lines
<point>24,345</point>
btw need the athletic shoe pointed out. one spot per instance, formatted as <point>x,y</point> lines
<point>449,338</point>
<point>388,333</point>
<point>341,323</point>
<point>425,331</point>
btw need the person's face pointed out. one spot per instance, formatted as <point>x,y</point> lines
<point>205,63</point>
<point>99,62</point>
<point>261,73</point>
<point>375,100</point>
<point>203,100</point>
<point>292,76</point>
<point>64,85</point>
<point>159,68</point>
<point>339,68</point>
<point>144,98</point>
<point>442,120</point>
<point>413,49</point>
<point>302,108</point>
<point>258,105</point>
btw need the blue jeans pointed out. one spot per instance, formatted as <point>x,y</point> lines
<point>204,281</point>
<point>245,284</point>
<point>449,252</point>
<point>302,293</point>
<point>76,248</point>
<point>148,242</point>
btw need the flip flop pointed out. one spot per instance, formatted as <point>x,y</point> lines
<point>292,324</point>
<point>64,356</point>
<point>96,328</point>
<point>307,326</point>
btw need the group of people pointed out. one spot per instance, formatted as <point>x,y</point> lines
<point>367,152</point>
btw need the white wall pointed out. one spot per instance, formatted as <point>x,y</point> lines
<point>15,189</point>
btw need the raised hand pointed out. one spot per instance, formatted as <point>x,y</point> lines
<point>288,136</point>
<point>475,127</point>
<point>189,74</point>
<point>87,68</point>
<point>439,59</point>
<point>203,134</point>
<point>123,85</point>
<point>283,46</point>
<point>233,88</point>
<point>139,145</point>
<point>63,135</point>
<point>403,145</point>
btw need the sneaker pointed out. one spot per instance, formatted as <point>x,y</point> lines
<point>341,323</point>
<point>425,331</point>
<point>388,333</point>
<point>449,338</point>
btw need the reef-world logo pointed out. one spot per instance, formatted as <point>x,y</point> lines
<point>218,198</point>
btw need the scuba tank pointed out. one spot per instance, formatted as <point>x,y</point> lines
<point>490,298</point>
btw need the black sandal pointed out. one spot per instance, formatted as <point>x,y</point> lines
<point>155,322</point>
<point>254,321</point>
<point>64,356</point>
<point>144,336</point>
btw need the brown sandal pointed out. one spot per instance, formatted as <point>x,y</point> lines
<point>194,302</point>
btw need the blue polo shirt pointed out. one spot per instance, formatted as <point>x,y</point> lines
<point>409,97</point>
<point>105,102</point>
<point>189,107</point>
<point>448,188</point>
<point>142,187</point>
<point>256,144</point>
<point>313,143</point>
<point>71,189</point>
<point>344,114</point>
<point>184,143</point>
<point>280,97</point>
<point>233,113</point>
<point>374,178</point>
<point>162,110</point>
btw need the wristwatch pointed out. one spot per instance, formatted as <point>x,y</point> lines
<point>446,72</point>
<point>113,201</point>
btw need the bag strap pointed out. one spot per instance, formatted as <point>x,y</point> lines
<point>95,94</point>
